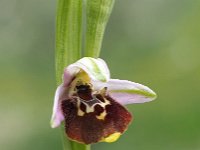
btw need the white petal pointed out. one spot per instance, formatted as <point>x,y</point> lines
<point>102,64</point>
<point>95,68</point>
<point>69,75</point>
<point>57,116</point>
<point>127,92</point>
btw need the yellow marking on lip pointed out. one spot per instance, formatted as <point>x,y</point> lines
<point>102,115</point>
<point>112,138</point>
<point>81,78</point>
<point>91,108</point>
<point>80,112</point>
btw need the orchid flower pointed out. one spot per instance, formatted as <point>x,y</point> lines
<point>91,104</point>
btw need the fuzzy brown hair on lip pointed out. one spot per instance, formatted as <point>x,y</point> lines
<point>91,123</point>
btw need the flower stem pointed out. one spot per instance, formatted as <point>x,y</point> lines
<point>98,13</point>
<point>68,34</point>
<point>68,48</point>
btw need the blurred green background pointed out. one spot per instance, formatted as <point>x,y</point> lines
<point>153,42</point>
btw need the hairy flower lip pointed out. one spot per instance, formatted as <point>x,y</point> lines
<point>123,91</point>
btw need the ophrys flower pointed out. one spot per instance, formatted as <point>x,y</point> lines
<point>91,104</point>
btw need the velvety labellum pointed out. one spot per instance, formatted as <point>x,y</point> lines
<point>92,117</point>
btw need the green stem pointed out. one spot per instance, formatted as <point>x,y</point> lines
<point>98,13</point>
<point>78,146</point>
<point>68,48</point>
<point>68,34</point>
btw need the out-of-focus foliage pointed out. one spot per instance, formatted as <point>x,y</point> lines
<point>154,42</point>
